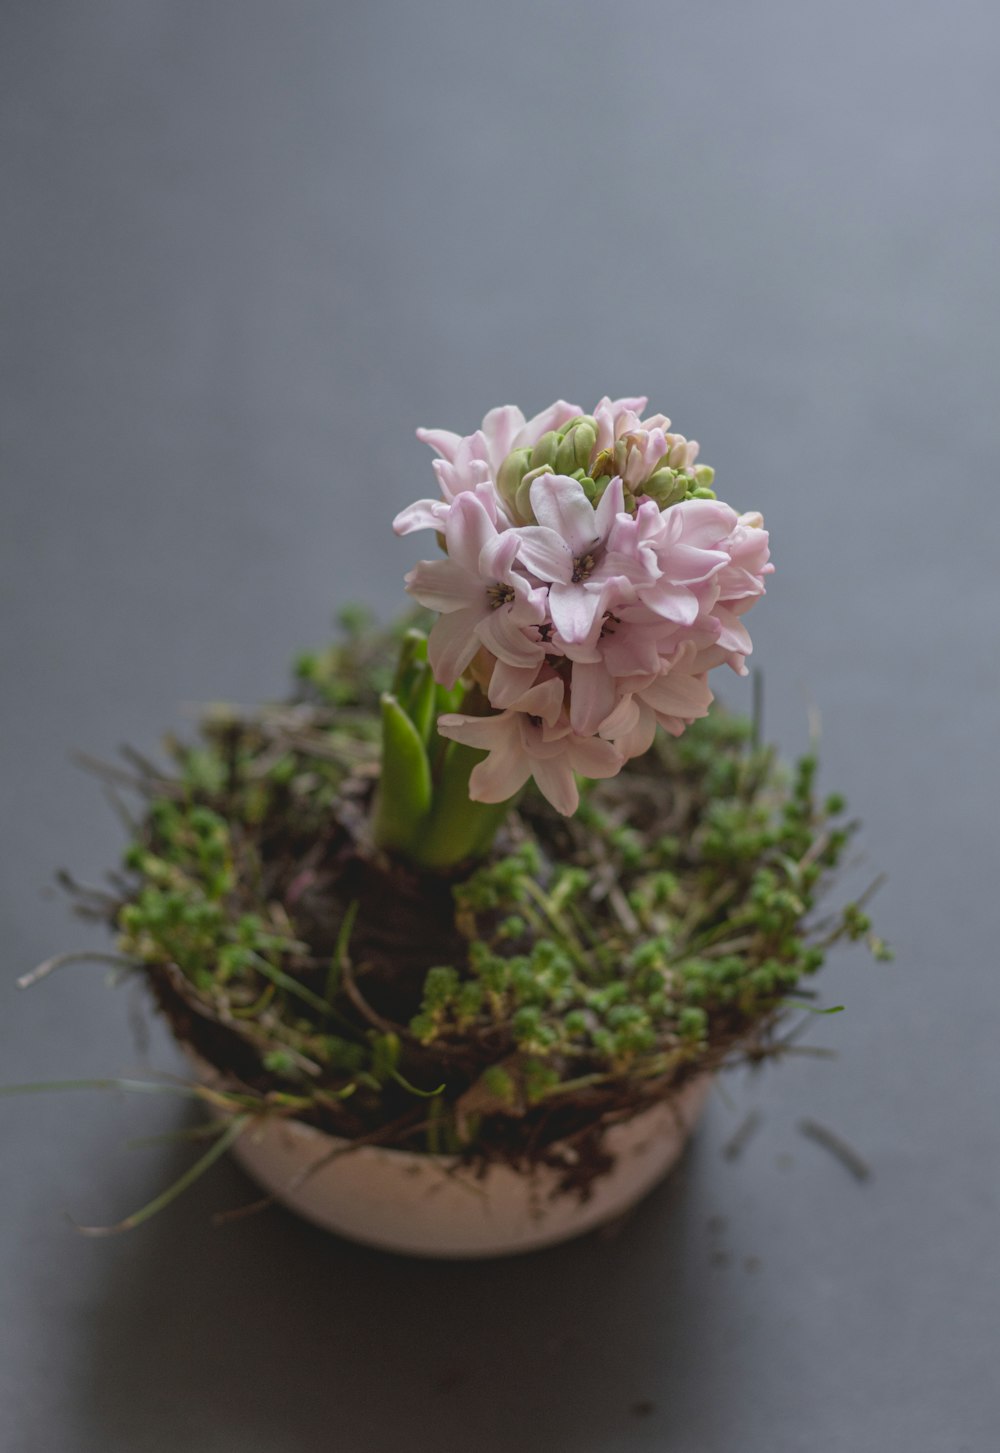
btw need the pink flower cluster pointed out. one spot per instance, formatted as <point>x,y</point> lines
<point>588,611</point>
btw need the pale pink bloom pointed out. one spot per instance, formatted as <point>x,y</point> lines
<point>533,738</point>
<point>482,599</point>
<point>506,429</point>
<point>614,649</point>
<point>615,417</point>
<point>631,609</point>
<point>678,587</point>
<point>749,562</point>
<point>576,548</point>
<point>672,699</point>
<point>432,514</point>
<point>469,463</point>
<point>648,445</point>
<point>507,682</point>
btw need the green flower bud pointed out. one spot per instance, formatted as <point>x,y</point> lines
<point>704,475</point>
<point>522,512</point>
<point>510,474</point>
<point>575,450</point>
<point>666,487</point>
<point>576,422</point>
<point>545,450</point>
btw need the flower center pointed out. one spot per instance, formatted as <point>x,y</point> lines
<point>582,566</point>
<point>499,595</point>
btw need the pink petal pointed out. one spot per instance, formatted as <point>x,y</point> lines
<point>560,503</point>
<point>507,683</point>
<point>500,635</point>
<point>461,477</point>
<point>612,504</point>
<point>501,427</point>
<point>452,644</point>
<point>497,557</point>
<point>423,514</point>
<point>683,561</point>
<point>676,695</point>
<point>442,440</point>
<point>627,406</point>
<point>551,418</point>
<point>673,602</point>
<point>637,738</point>
<point>545,553</point>
<point>555,782</point>
<point>622,719</point>
<point>734,635</point>
<point>593,758</point>
<point>592,697</point>
<point>442,585</point>
<point>573,609</point>
<point>468,531</point>
<point>544,700</point>
<point>484,732</point>
<point>504,772</point>
<point>704,522</point>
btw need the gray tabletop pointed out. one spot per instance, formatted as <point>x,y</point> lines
<point>247,248</point>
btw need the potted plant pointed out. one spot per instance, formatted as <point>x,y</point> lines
<point>457,938</point>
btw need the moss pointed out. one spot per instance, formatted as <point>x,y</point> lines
<point>663,929</point>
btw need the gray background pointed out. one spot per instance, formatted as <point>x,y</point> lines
<point>247,248</point>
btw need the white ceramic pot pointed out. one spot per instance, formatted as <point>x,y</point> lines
<point>431,1205</point>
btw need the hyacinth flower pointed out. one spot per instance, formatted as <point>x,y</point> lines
<point>590,581</point>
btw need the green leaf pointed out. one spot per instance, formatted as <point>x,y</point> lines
<point>421,702</point>
<point>458,827</point>
<point>404,790</point>
<point>412,655</point>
